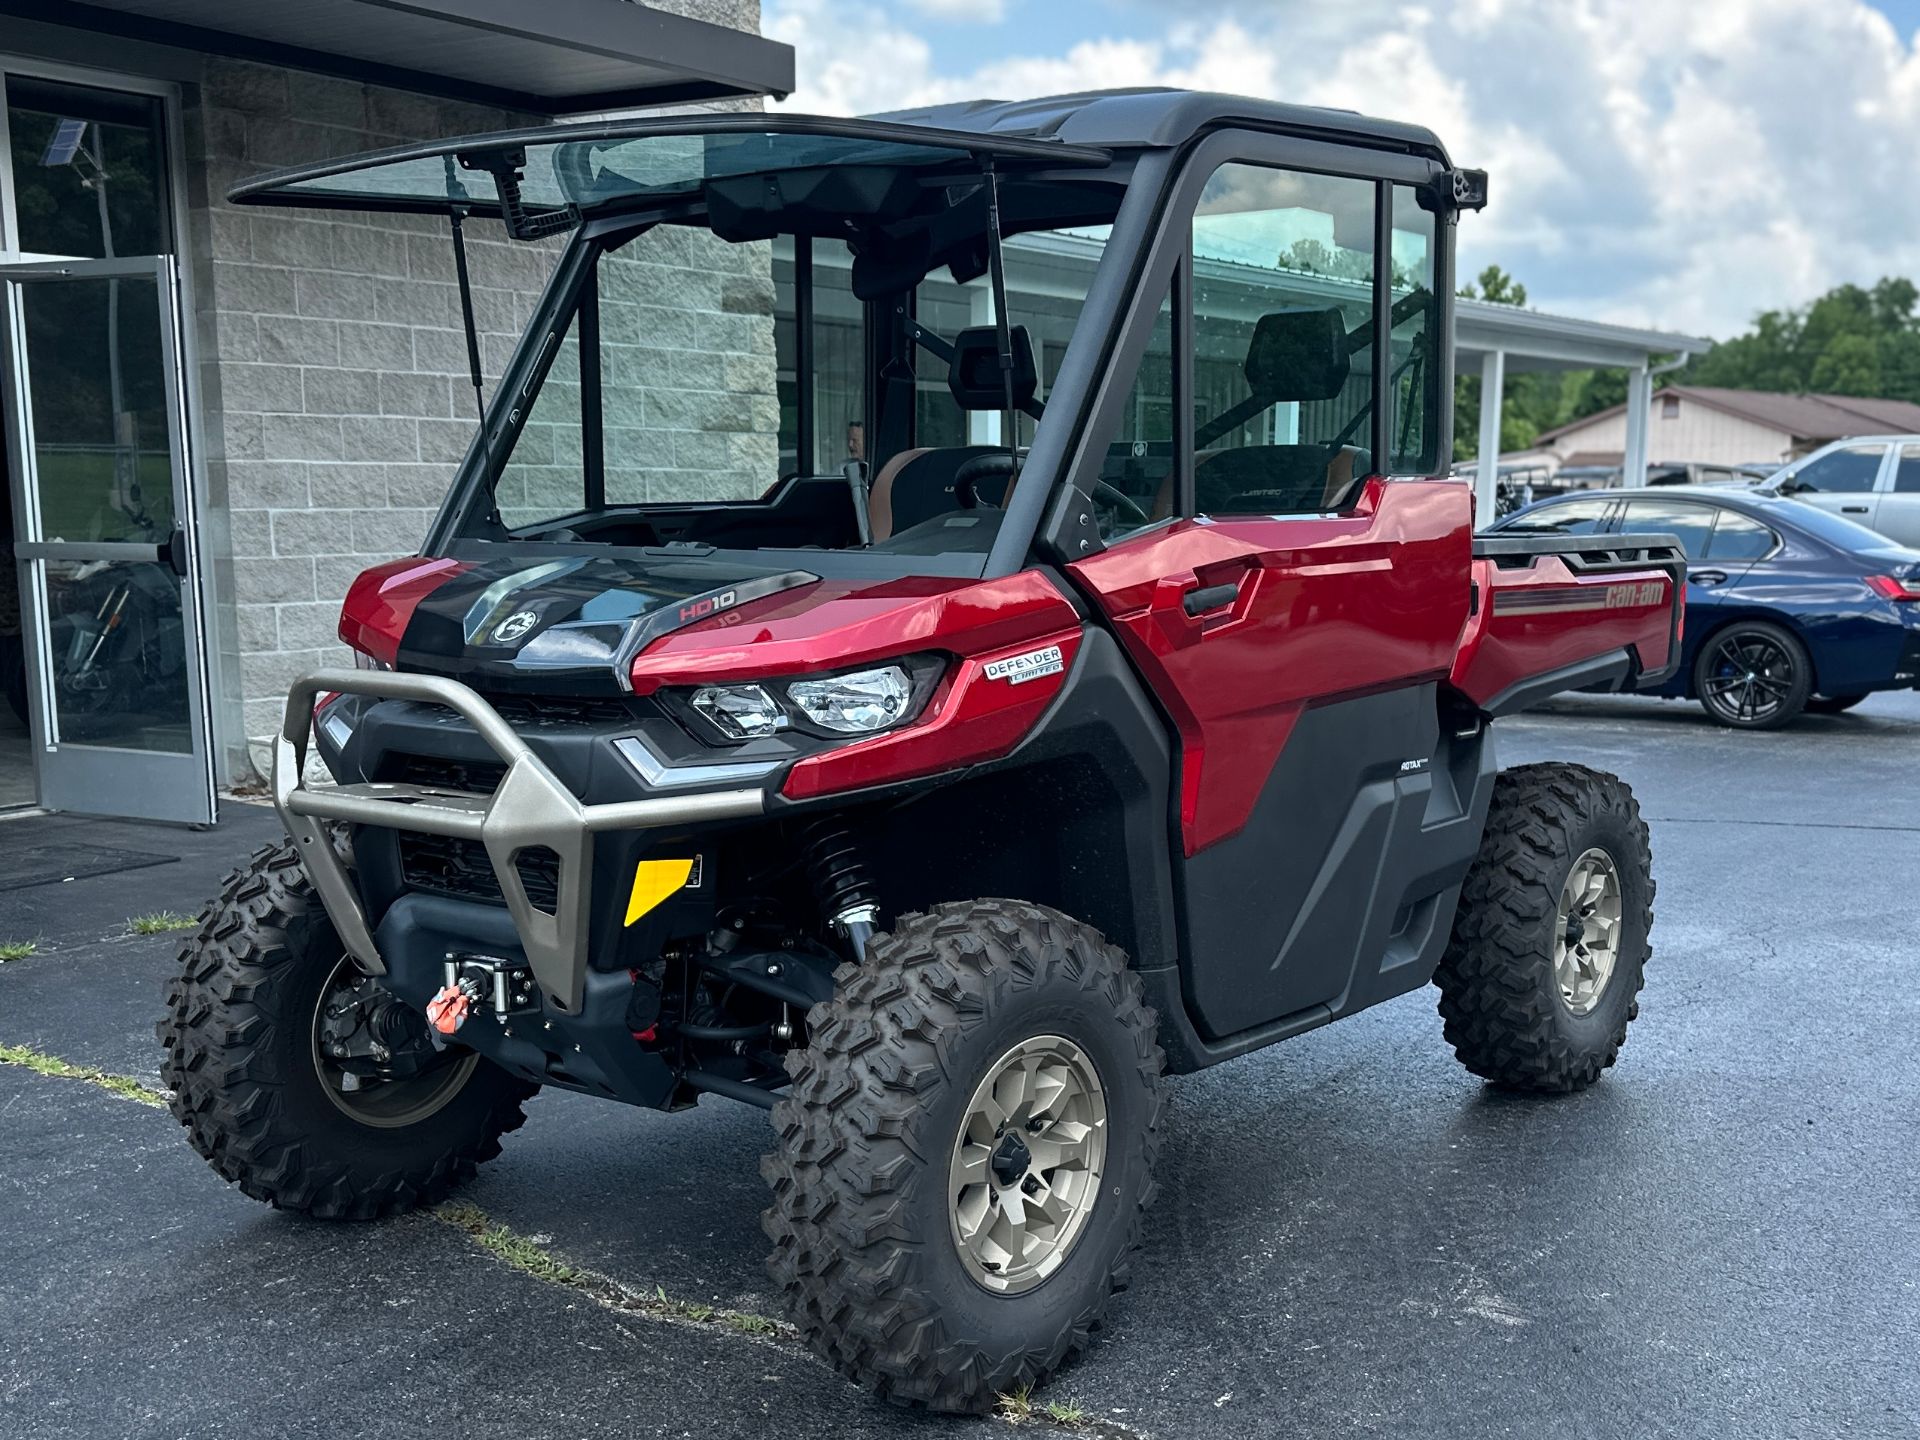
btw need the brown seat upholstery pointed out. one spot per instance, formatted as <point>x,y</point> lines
<point>916,485</point>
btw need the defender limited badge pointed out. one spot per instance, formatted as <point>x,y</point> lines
<point>515,626</point>
<point>1018,669</point>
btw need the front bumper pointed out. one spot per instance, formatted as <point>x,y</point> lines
<point>529,809</point>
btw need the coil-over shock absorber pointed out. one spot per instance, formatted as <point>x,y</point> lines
<point>841,882</point>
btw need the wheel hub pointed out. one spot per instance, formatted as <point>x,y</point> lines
<point>1026,1165</point>
<point>1587,940</point>
<point>373,1057</point>
<point>1010,1161</point>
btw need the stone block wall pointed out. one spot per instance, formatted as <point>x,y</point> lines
<point>333,401</point>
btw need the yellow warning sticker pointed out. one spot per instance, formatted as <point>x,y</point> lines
<point>653,882</point>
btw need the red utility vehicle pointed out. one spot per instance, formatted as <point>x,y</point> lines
<point>947,618</point>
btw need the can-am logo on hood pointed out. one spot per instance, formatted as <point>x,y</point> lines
<point>515,626</point>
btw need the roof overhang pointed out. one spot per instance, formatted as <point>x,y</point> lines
<point>1533,341</point>
<point>556,57</point>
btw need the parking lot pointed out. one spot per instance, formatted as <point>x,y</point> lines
<point>1353,1236</point>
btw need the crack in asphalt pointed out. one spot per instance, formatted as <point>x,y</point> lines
<point>528,1257</point>
<point>126,1087</point>
<point>1782,824</point>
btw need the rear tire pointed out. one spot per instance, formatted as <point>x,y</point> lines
<point>872,1204</point>
<point>242,1062</point>
<point>1833,704</point>
<point>1781,676</point>
<point>1520,1001</point>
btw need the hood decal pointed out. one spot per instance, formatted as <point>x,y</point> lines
<point>513,625</point>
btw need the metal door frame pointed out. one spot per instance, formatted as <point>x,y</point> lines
<point>105,777</point>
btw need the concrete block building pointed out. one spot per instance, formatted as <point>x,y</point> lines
<point>215,416</point>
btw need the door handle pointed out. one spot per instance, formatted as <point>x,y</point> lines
<point>1853,509</point>
<point>1209,598</point>
<point>1707,577</point>
<point>173,553</point>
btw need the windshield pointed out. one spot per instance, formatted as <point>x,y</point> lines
<point>815,365</point>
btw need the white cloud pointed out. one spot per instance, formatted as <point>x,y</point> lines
<point>985,12</point>
<point>1672,165</point>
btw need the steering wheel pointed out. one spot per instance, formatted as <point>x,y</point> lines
<point>971,472</point>
<point>966,480</point>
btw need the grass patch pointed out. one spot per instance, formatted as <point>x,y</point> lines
<point>17,949</point>
<point>1016,1405</point>
<point>535,1260</point>
<point>164,923</point>
<point>1066,1412</point>
<point>41,1063</point>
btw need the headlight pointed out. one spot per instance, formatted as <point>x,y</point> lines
<point>740,712</point>
<point>855,704</point>
<point>830,707</point>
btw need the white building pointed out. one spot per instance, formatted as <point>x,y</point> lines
<point>1697,423</point>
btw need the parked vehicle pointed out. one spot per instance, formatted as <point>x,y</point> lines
<point>938,815</point>
<point>1872,480</point>
<point>1789,608</point>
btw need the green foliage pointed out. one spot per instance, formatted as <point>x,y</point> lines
<point>1496,287</point>
<point>161,923</point>
<point>1853,340</point>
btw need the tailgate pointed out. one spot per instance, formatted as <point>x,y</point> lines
<point>1570,612</point>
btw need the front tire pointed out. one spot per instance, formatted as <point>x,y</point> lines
<point>1753,676</point>
<point>950,1089</point>
<point>1550,940</point>
<point>250,1083</point>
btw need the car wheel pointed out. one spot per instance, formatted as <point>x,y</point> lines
<point>1833,704</point>
<point>1753,676</point>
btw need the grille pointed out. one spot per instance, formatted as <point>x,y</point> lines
<point>564,712</point>
<point>480,777</point>
<point>445,865</point>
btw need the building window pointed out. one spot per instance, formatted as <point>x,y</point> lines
<point>1669,407</point>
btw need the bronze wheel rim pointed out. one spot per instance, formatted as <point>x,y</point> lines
<point>1025,1171</point>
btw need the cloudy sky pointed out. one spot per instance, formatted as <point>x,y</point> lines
<point>1676,163</point>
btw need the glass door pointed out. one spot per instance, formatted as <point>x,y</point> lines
<point>104,537</point>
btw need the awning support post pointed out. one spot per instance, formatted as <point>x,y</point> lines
<point>1486,481</point>
<point>1633,467</point>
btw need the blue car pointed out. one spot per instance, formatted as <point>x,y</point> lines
<point>1789,608</point>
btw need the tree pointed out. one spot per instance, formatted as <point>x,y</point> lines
<point>1496,287</point>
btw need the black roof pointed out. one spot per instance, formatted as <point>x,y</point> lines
<point>1060,130</point>
<point>1158,118</point>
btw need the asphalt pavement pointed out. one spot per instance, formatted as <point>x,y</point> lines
<point>1353,1238</point>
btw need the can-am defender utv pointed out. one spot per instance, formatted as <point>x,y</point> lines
<point>932,634</point>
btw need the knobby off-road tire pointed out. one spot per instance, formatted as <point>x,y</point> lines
<point>240,1061</point>
<point>1507,1015</point>
<point>866,1251</point>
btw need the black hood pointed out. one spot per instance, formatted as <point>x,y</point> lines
<point>571,622</point>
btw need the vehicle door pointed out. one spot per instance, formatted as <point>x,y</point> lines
<point>1710,578</point>
<point>1844,481</point>
<point>1291,609</point>
<point>1898,517</point>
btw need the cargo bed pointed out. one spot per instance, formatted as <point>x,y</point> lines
<point>1553,613</point>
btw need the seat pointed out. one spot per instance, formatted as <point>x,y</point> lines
<point>916,485</point>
